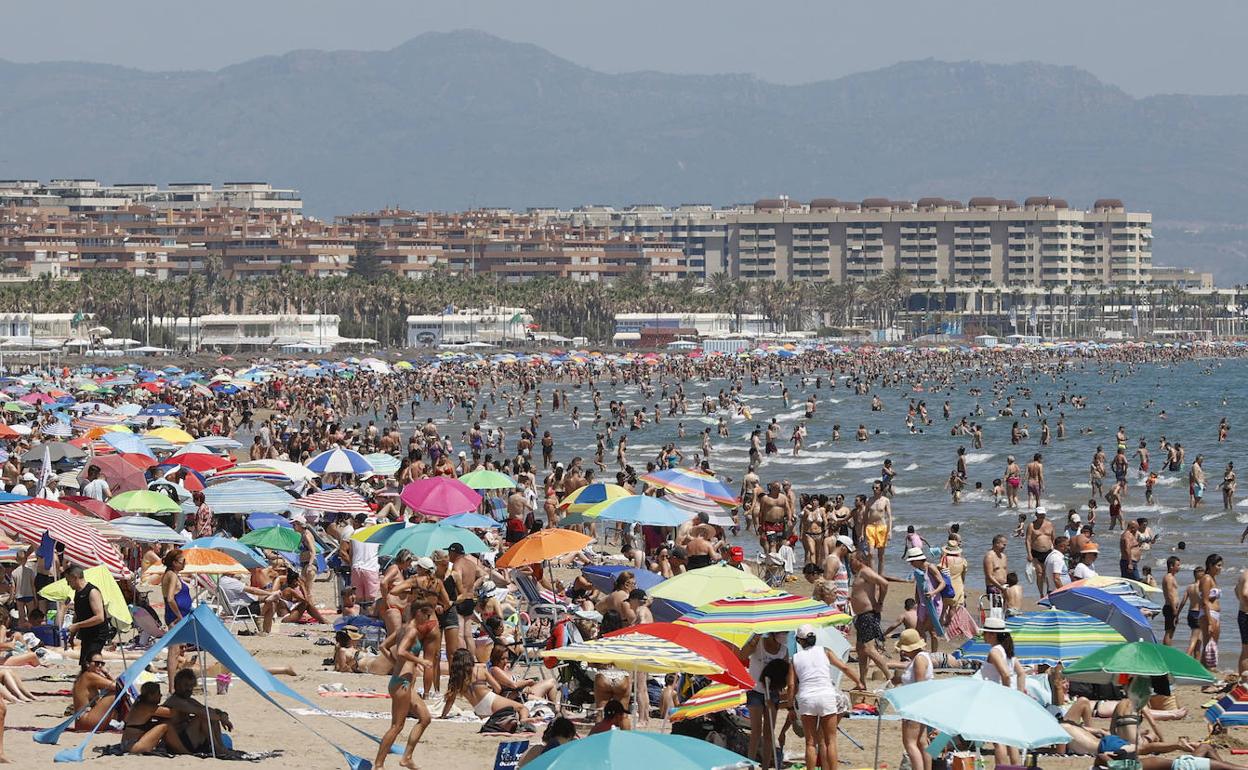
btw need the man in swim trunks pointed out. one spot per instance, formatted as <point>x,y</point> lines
<point>866,598</point>
<point>1035,480</point>
<point>1241,593</point>
<point>774,512</point>
<point>1039,540</point>
<point>878,524</point>
<point>996,567</point>
<point>467,571</point>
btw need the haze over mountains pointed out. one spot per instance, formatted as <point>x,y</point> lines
<point>454,120</point>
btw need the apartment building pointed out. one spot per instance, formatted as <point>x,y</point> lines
<point>82,195</point>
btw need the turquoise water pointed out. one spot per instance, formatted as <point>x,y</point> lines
<point>1190,393</point>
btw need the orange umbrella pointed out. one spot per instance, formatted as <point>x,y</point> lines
<point>543,545</point>
<point>200,561</point>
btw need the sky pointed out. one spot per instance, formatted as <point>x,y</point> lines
<point>1144,47</point>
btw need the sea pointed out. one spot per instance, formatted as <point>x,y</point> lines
<point>1183,402</point>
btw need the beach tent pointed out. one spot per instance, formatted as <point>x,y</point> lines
<point>114,602</point>
<point>203,629</point>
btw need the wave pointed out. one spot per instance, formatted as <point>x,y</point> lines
<point>973,458</point>
<point>861,463</point>
<point>911,467</point>
<point>866,454</point>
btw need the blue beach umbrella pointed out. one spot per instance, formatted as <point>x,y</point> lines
<point>640,509</point>
<point>470,521</point>
<point>978,710</point>
<point>1112,610</point>
<point>128,443</point>
<point>603,576</point>
<point>629,749</point>
<point>247,496</point>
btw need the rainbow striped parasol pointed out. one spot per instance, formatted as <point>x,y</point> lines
<point>1049,637</point>
<point>709,700</point>
<point>736,618</point>
<point>692,483</point>
<point>586,497</point>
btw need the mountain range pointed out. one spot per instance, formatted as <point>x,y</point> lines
<point>461,119</point>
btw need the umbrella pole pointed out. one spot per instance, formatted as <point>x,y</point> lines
<point>771,726</point>
<point>879,726</point>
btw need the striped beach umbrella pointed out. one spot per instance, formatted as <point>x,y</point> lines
<point>581,500</point>
<point>1049,637</point>
<point>383,464</point>
<point>692,483</point>
<point>247,496</point>
<point>84,545</point>
<point>709,700</point>
<point>333,501</point>
<point>250,472</point>
<point>141,529</point>
<point>696,504</point>
<point>1231,710</point>
<point>339,460</point>
<point>638,652</point>
<point>736,618</point>
<point>57,429</point>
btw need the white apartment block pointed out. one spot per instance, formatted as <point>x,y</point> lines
<point>91,195</point>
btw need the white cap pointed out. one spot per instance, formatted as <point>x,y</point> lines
<point>1041,511</point>
<point>1075,519</point>
<point>846,541</point>
<point>805,630</point>
<point>298,518</point>
<point>425,562</point>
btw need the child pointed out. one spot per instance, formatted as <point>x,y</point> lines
<point>788,555</point>
<point>1021,529</point>
<point>1013,594</point>
<point>1092,512</point>
<point>1148,488</point>
<point>955,485</point>
<point>998,494</point>
<point>1147,572</point>
<point>909,619</point>
<point>1115,508</point>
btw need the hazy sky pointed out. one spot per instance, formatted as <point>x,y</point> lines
<point>1142,46</point>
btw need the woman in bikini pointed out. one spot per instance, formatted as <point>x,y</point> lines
<point>390,607</point>
<point>471,680</point>
<point>521,690</point>
<point>350,659</point>
<point>1210,611</point>
<point>90,692</point>
<point>146,723</point>
<point>405,650</point>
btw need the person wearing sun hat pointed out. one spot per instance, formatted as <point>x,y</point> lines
<point>1003,668</point>
<point>1087,558</point>
<point>919,668</point>
<point>929,584</point>
<point>818,699</point>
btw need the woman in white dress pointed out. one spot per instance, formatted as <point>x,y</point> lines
<point>818,700</point>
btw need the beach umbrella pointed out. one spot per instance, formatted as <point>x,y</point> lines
<point>129,443</point>
<point>603,576</point>
<point>273,539</point>
<point>424,539</point>
<point>141,529</point>
<point>121,475</point>
<point>57,451</point>
<point>692,483</point>
<point>293,471</point>
<point>333,501</point>
<point>1136,659</point>
<point>702,586</point>
<point>711,699</point>
<point>200,561</point>
<point>172,435</point>
<point>736,618</point>
<point>734,671</point>
<point>543,545</point>
<point>620,749</point>
<point>89,506</point>
<point>143,501</point>
<point>639,509</point>
<point>220,443</point>
<point>339,460</point>
<point>247,496</point>
<point>979,711</point>
<point>9,497</point>
<point>377,533</point>
<point>84,545</point>
<point>160,409</point>
<point>586,497</point>
<point>383,464</point>
<point>262,520</point>
<point>716,514</point>
<point>250,472</point>
<point>203,463</point>
<point>440,496</point>
<point>638,653</point>
<point>1105,582</point>
<point>471,521</point>
<point>57,429</point>
<point>1123,588</point>
<point>1113,610</point>
<point>1049,637</point>
<point>243,554</point>
<point>486,479</point>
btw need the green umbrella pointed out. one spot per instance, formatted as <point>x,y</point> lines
<point>1137,659</point>
<point>424,539</point>
<point>485,479</point>
<point>273,539</point>
<point>144,501</point>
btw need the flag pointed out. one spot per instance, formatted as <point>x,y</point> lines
<point>517,318</point>
<point>77,319</point>
<point>1014,316</point>
<point>47,550</point>
<point>1033,319</point>
<point>1135,316</point>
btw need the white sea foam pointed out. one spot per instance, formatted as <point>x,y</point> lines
<point>973,458</point>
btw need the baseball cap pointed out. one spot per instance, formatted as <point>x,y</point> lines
<point>456,548</point>
<point>1076,518</point>
<point>805,631</point>
<point>846,541</point>
<point>1041,511</point>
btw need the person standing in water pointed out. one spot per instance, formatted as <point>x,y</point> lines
<point>1035,480</point>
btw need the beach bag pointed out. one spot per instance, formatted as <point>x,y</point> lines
<point>502,721</point>
<point>947,592</point>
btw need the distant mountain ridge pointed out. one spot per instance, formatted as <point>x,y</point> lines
<point>453,120</point>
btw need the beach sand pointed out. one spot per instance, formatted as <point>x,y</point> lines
<point>260,727</point>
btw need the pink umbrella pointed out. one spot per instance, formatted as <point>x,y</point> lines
<point>440,496</point>
<point>37,398</point>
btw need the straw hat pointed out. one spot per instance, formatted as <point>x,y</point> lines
<point>915,554</point>
<point>952,548</point>
<point>909,641</point>
<point>994,625</point>
<point>1092,548</point>
<point>352,633</point>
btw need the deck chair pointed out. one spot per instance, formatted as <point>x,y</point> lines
<point>230,615</point>
<point>539,610</point>
<point>146,625</point>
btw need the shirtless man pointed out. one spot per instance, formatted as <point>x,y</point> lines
<point>773,510</point>
<point>467,572</point>
<point>1241,594</point>
<point>519,507</point>
<point>878,524</point>
<point>996,567</point>
<point>1196,481</point>
<point>1173,604</point>
<point>1039,541</point>
<point>1129,551</point>
<point>1035,480</point>
<point>866,598</point>
<point>700,547</point>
